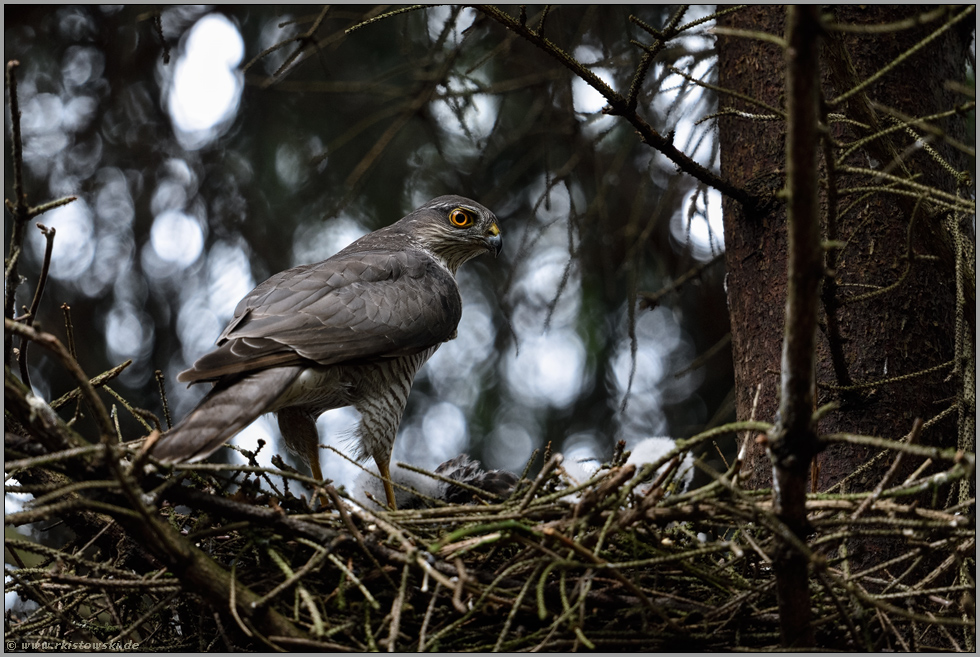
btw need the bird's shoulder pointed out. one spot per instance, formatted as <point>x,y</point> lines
<point>365,271</point>
<point>361,304</point>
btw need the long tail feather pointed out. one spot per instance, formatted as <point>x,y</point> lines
<point>226,410</point>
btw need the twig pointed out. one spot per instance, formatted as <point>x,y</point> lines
<point>18,208</point>
<point>69,330</point>
<point>44,424</point>
<point>400,10</point>
<point>618,106</point>
<point>652,299</point>
<point>901,58</point>
<point>884,28</point>
<point>52,343</point>
<point>36,302</point>
<point>263,515</point>
<point>876,493</point>
<point>546,471</point>
<point>669,32</point>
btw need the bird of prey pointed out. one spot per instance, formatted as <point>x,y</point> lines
<point>351,330</point>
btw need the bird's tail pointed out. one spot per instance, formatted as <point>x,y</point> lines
<point>226,410</point>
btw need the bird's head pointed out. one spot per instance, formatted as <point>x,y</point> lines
<point>455,229</point>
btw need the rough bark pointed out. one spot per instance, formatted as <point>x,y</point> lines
<point>906,330</point>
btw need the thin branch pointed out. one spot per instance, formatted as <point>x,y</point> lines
<point>161,386</point>
<point>828,292</point>
<point>36,303</point>
<point>52,343</point>
<point>884,28</point>
<point>308,37</point>
<point>901,58</point>
<point>194,568</point>
<point>750,34</point>
<point>968,205</point>
<point>793,442</point>
<point>876,493</point>
<point>400,10</point>
<point>69,330</point>
<point>903,121</point>
<point>669,32</point>
<point>618,106</point>
<point>49,245</point>
<point>18,208</point>
<point>96,381</point>
<point>652,299</point>
<point>776,112</point>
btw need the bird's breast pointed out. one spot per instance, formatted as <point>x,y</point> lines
<point>322,388</point>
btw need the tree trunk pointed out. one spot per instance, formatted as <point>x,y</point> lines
<point>864,338</point>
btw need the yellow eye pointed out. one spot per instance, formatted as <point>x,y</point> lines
<point>460,217</point>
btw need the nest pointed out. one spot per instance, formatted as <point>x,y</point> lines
<point>231,557</point>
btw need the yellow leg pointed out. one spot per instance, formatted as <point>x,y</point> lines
<point>298,428</point>
<point>386,480</point>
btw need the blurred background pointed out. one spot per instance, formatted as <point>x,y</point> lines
<point>210,147</point>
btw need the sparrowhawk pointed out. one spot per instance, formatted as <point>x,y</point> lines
<point>351,330</point>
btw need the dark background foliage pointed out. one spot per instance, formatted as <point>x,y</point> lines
<point>353,132</point>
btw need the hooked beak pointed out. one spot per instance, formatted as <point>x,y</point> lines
<point>493,239</point>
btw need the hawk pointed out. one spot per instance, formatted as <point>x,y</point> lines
<point>351,330</point>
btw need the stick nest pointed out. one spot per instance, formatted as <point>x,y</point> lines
<point>230,557</point>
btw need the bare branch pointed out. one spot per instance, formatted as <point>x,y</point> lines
<point>52,343</point>
<point>792,442</point>
<point>618,106</point>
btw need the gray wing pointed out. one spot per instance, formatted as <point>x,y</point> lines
<point>353,306</point>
